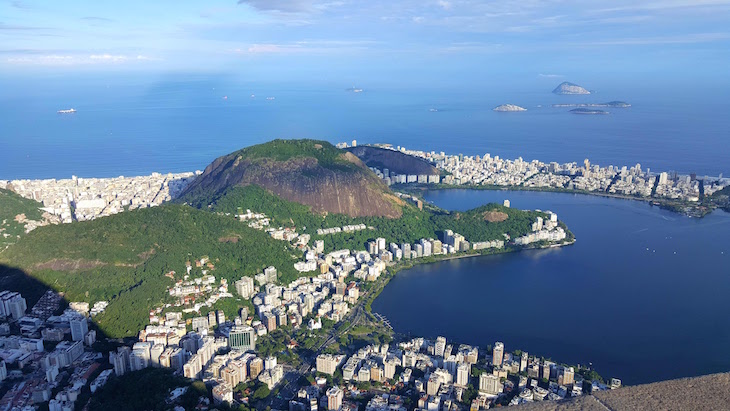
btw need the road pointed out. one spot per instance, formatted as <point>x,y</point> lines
<point>290,382</point>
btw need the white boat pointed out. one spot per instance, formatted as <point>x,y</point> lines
<point>69,111</point>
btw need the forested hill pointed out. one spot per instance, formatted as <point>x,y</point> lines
<point>124,258</point>
<point>478,224</point>
<point>309,172</point>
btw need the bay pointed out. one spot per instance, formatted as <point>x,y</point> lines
<point>642,294</point>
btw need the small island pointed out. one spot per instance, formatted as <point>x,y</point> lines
<point>509,108</point>
<point>614,104</point>
<point>587,111</point>
<point>570,88</point>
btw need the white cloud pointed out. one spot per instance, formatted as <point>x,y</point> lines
<point>446,5</point>
<point>77,59</point>
<point>265,48</point>
<point>108,57</point>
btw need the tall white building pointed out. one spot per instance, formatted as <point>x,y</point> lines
<point>440,346</point>
<point>334,399</point>
<point>12,304</point>
<point>79,328</point>
<point>498,354</point>
<point>244,287</point>
<point>490,384</point>
<point>462,374</point>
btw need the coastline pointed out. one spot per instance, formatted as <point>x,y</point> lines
<point>680,207</point>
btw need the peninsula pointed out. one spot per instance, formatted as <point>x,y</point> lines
<point>688,194</point>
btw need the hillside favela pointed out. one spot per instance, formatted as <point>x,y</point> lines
<point>298,205</point>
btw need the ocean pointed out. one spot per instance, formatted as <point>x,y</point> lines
<point>134,125</point>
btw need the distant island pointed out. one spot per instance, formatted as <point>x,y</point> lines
<point>615,104</point>
<point>509,107</point>
<point>587,111</point>
<point>570,88</point>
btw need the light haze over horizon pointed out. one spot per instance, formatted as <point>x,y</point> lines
<point>294,40</point>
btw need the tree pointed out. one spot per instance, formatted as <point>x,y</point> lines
<point>261,392</point>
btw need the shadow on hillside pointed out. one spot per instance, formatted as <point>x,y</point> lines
<point>15,279</point>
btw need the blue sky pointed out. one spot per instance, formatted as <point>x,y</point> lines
<point>269,37</point>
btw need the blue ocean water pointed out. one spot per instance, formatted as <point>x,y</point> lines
<point>642,294</point>
<point>135,125</point>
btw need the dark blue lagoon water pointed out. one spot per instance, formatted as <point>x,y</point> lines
<point>644,294</point>
<point>136,125</point>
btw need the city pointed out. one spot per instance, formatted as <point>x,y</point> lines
<point>281,336</point>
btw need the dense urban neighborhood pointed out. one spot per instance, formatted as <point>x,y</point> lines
<point>309,344</point>
<point>309,340</point>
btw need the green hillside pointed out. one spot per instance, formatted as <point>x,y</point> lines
<point>326,154</point>
<point>12,208</point>
<point>412,226</point>
<point>123,258</point>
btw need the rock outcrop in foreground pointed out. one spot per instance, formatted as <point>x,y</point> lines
<point>709,392</point>
<point>310,172</point>
<point>509,107</point>
<point>570,88</point>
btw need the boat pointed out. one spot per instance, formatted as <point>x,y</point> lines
<point>270,98</point>
<point>68,111</point>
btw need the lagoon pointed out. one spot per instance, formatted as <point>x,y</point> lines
<point>642,294</point>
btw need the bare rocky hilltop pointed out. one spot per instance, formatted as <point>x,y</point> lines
<point>310,172</point>
<point>394,161</point>
<point>570,88</point>
<point>708,392</point>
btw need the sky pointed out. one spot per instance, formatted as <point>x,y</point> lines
<point>269,38</point>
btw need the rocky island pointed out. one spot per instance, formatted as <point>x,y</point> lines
<point>570,88</point>
<point>614,104</point>
<point>509,108</point>
<point>587,111</point>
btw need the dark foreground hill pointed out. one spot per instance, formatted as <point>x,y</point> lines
<point>709,392</point>
<point>309,172</point>
<point>395,161</point>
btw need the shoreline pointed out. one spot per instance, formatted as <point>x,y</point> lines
<point>665,204</point>
<point>398,267</point>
